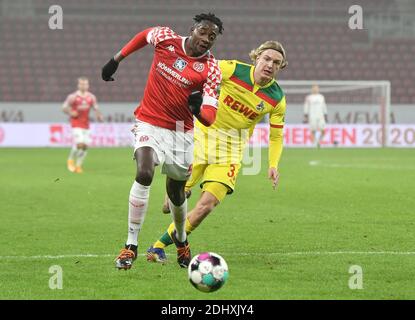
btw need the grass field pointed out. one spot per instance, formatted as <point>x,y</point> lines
<point>334,208</point>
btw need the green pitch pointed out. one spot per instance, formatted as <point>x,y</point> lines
<point>334,209</point>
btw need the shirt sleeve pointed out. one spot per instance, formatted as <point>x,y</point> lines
<point>139,41</point>
<point>227,68</point>
<point>211,85</point>
<point>160,34</point>
<point>276,122</point>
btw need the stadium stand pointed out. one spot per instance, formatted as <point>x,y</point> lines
<point>42,64</point>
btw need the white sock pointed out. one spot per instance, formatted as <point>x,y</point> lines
<point>80,157</point>
<point>137,208</point>
<point>179,219</point>
<point>72,153</point>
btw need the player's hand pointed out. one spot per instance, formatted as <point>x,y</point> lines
<point>274,176</point>
<point>100,118</point>
<point>73,113</point>
<point>195,102</point>
<point>109,69</point>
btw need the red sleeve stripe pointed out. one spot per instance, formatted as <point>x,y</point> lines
<point>279,126</point>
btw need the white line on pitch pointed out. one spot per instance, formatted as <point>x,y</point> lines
<point>315,163</point>
<point>299,253</point>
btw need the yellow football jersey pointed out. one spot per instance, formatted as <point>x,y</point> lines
<point>242,104</point>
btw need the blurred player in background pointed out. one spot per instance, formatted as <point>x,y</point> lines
<point>77,105</point>
<point>315,114</point>
<point>182,68</point>
<point>248,93</point>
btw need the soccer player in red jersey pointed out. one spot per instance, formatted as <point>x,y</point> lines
<point>183,82</point>
<point>78,105</point>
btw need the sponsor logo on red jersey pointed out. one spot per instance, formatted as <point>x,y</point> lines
<point>180,64</point>
<point>198,66</point>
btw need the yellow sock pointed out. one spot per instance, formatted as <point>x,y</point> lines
<point>189,227</point>
<point>165,239</point>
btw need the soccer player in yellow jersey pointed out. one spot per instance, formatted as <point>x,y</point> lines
<point>247,94</point>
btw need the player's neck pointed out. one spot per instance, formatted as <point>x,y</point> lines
<point>262,81</point>
<point>82,93</point>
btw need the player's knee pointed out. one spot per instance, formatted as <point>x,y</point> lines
<point>177,197</point>
<point>144,176</point>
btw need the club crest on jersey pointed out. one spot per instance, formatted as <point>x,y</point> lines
<point>260,106</point>
<point>198,66</point>
<point>180,64</point>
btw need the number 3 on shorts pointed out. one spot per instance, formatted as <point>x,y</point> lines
<point>231,171</point>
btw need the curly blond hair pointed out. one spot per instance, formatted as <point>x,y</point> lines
<point>275,45</point>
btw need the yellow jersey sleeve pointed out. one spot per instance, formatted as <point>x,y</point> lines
<point>276,122</point>
<point>227,67</point>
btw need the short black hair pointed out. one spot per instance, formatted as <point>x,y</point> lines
<point>210,17</point>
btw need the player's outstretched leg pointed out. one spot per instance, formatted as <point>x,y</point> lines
<point>178,207</point>
<point>213,191</point>
<point>156,252</point>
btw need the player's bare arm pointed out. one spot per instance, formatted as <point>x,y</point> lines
<point>98,114</point>
<point>66,108</point>
<point>274,176</point>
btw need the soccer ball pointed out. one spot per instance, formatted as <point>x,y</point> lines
<point>208,271</point>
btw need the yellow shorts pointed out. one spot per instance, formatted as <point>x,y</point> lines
<point>223,173</point>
